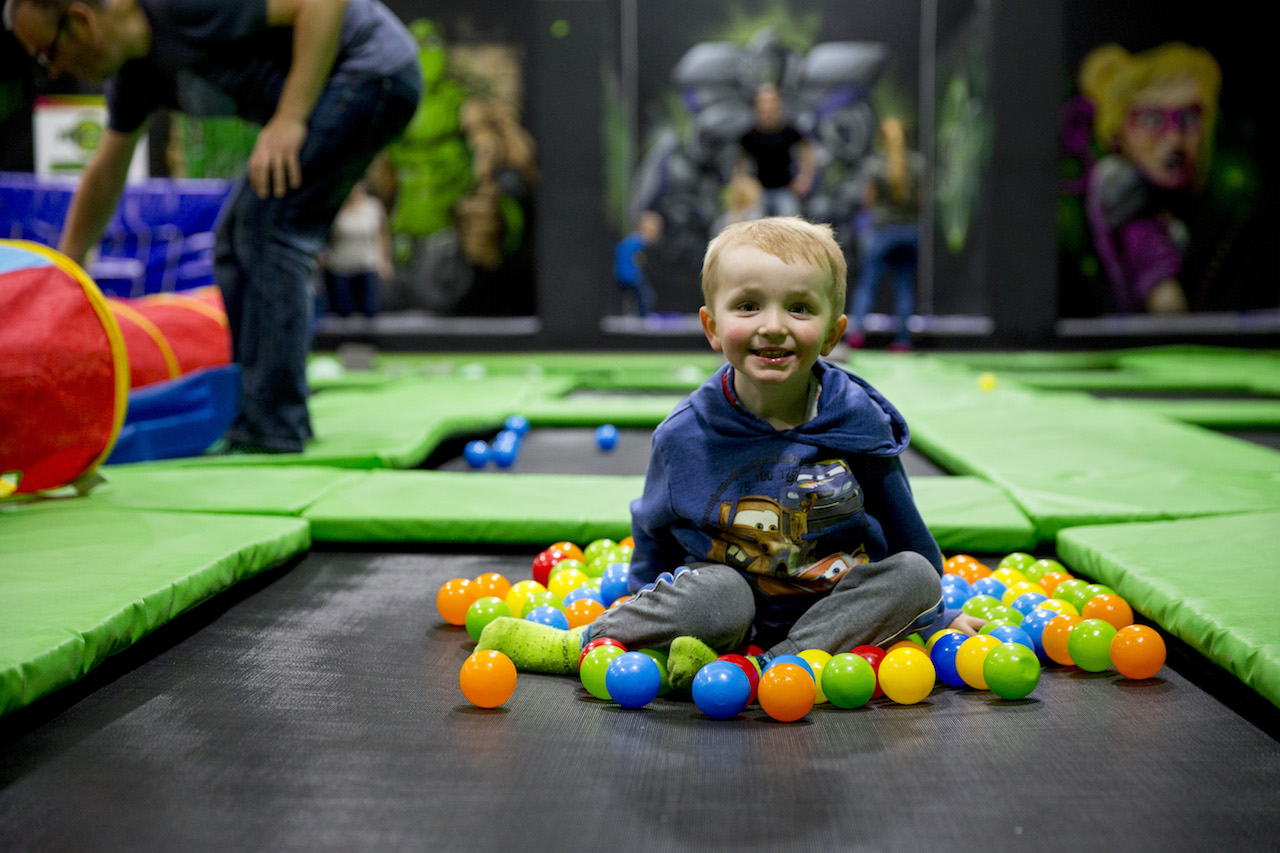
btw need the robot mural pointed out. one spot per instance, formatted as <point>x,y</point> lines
<point>826,92</point>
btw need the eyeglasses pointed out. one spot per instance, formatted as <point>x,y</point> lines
<point>46,58</point>
<point>1161,120</point>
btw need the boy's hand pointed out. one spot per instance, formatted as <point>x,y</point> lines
<point>967,625</point>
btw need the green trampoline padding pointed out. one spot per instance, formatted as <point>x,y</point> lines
<point>1215,414</point>
<point>1068,459</point>
<point>246,489</point>
<point>80,583</point>
<point>964,513</point>
<point>1211,582</point>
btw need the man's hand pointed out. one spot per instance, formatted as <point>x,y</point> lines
<point>274,166</point>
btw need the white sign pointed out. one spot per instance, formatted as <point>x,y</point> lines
<point>68,129</point>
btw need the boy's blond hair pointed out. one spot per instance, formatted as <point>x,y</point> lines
<point>791,240</point>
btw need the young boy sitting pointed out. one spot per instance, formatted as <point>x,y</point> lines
<point>775,508</point>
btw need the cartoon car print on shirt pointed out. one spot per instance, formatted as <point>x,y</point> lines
<point>815,577</point>
<point>825,492</point>
<point>757,535</point>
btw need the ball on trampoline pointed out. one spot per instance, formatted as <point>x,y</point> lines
<point>1034,624</point>
<point>660,658</point>
<point>582,592</point>
<point>795,660</point>
<point>632,679</point>
<point>1016,560</point>
<point>817,659</point>
<point>567,549</point>
<point>505,449</point>
<point>1013,634</point>
<point>518,424</point>
<point>613,582</point>
<point>565,581</point>
<point>483,611</point>
<point>848,680</point>
<point>593,669</point>
<point>873,654</point>
<point>606,436</point>
<point>1108,608</point>
<point>552,617</point>
<point>476,453</point>
<point>1054,639</point>
<point>907,675</point>
<point>971,657</point>
<point>786,692</point>
<point>583,612</point>
<point>721,690</point>
<point>1011,670</point>
<point>1137,652</point>
<point>520,592</point>
<point>453,598</point>
<point>487,678</point>
<point>540,598</point>
<point>596,643</point>
<point>1089,644</point>
<point>943,655</point>
<point>987,381</point>
<point>492,583</point>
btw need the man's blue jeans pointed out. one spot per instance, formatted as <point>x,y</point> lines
<point>893,247</point>
<point>265,255</point>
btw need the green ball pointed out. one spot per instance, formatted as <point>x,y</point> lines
<point>1077,594</point>
<point>1017,560</point>
<point>660,658</point>
<point>593,670</point>
<point>1038,569</point>
<point>598,548</point>
<point>539,598</point>
<point>1096,589</point>
<point>567,563</point>
<point>848,680</point>
<point>979,605</point>
<point>1004,613</point>
<point>1011,670</point>
<point>483,611</point>
<point>1089,644</point>
<point>992,624</point>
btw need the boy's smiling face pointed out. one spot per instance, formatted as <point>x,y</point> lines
<point>772,320</point>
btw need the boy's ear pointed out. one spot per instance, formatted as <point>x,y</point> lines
<point>836,333</point>
<point>709,328</point>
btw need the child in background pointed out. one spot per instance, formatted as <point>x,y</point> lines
<point>629,261</point>
<point>358,256</point>
<point>775,509</point>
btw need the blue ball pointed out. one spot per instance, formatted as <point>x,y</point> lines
<point>1028,601</point>
<point>1034,624</point>
<point>506,446</point>
<point>633,679</point>
<point>613,582</point>
<point>943,655</point>
<point>721,690</point>
<point>956,594</point>
<point>518,424</point>
<point>607,436</point>
<point>795,659</point>
<point>989,586</point>
<point>582,592</point>
<point>545,614</point>
<point>1013,634</point>
<point>476,453</point>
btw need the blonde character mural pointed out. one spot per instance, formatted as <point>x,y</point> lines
<point>1154,114</point>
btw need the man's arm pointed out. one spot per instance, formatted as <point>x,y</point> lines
<point>274,166</point>
<point>99,191</point>
<point>802,183</point>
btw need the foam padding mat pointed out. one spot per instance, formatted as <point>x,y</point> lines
<point>1068,459</point>
<point>81,584</point>
<point>1211,582</point>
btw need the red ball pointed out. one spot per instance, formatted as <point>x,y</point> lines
<point>543,563</point>
<point>596,643</point>
<point>873,654</point>
<point>753,674</point>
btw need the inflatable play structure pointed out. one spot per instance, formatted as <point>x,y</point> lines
<point>86,379</point>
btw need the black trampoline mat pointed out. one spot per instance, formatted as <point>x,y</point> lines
<point>318,709</point>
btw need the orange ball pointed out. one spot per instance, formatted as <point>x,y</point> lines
<point>786,692</point>
<point>1137,652</point>
<point>953,564</point>
<point>454,598</point>
<point>627,542</point>
<point>1111,609</point>
<point>583,612</point>
<point>569,550</point>
<point>620,600</point>
<point>1054,639</point>
<point>1050,581</point>
<point>491,583</point>
<point>487,679</point>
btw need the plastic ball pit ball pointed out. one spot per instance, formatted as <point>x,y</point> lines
<point>748,668</point>
<point>1109,608</point>
<point>476,453</point>
<point>606,436</point>
<point>453,599</point>
<point>1137,652</point>
<point>873,654</point>
<point>597,642</point>
<point>583,612</point>
<point>848,680</point>
<point>817,659</point>
<point>943,655</point>
<point>487,679</point>
<point>492,583</point>
<point>483,611</point>
<point>971,657</point>
<point>786,692</point>
<point>1011,671</point>
<point>552,617</point>
<point>632,679</point>
<point>1089,644</point>
<point>721,690</point>
<point>907,675</point>
<point>1054,639</point>
<point>593,669</point>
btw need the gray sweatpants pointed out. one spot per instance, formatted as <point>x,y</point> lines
<point>874,603</point>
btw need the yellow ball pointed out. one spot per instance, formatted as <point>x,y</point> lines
<point>1009,576</point>
<point>987,381</point>
<point>907,675</point>
<point>1018,589</point>
<point>520,592</point>
<point>566,581</point>
<point>929,645</point>
<point>1059,606</point>
<point>817,659</point>
<point>970,657</point>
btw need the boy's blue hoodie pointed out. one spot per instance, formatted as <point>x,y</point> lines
<point>793,509</point>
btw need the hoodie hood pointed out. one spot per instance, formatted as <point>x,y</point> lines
<point>851,416</point>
